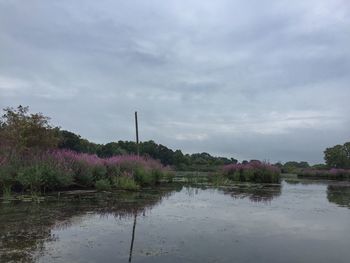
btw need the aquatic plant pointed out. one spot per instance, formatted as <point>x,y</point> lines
<point>57,169</point>
<point>253,171</point>
<point>218,179</point>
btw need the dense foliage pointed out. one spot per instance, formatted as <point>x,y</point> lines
<point>253,171</point>
<point>184,162</point>
<point>21,131</point>
<point>337,164</point>
<point>31,160</point>
<point>338,156</point>
<point>57,169</point>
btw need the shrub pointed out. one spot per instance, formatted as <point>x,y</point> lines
<point>103,185</point>
<point>57,169</point>
<point>31,177</point>
<point>56,178</point>
<point>254,171</point>
<point>83,174</point>
<point>126,182</point>
<point>7,178</point>
<point>144,177</point>
<point>99,172</point>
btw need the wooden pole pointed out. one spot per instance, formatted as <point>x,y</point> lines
<point>137,134</point>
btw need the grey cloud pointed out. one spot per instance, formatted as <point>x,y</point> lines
<point>251,79</point>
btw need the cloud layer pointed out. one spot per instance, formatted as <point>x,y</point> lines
<point>249,79</point>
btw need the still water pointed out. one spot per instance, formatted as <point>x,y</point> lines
<point>294,222</point>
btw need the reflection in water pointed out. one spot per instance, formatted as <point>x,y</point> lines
<point>25,227</point>
<point>339,194</point>
<point>256,193</point>
<point>197,224</point>
<point>132,237</point>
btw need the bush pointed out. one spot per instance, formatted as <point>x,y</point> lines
<point>103,185</point>
<point>254,171</point>
<point>31,178</point>
<point>83,174</point>
<point>143,177</point>
<point>99,172</point>
<point>126,183</point>
<point>52,170</point>
<point>56,178</point>
<point>7,178</point>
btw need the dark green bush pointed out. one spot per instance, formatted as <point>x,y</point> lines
<point>126,183</point>
<point>103,185</point>
<point>83,174</point>
<point>99,172</point>
<point>31,177</point>
<point>146,177</point>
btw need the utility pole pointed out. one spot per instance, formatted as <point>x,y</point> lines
<point>137,134</point>
<point>135,212</point>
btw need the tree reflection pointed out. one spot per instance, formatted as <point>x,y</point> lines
<point>255,193</point>
<point>25,227</point>
<point>339,194</point>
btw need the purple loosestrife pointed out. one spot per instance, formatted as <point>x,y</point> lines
<point>333,173</point>
<point>254,171</point>
<point>121,165</point>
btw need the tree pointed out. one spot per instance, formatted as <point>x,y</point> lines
<point>338,156</point>
<point>69,140</point>
<point>111,149</point>
<point>20,130</point>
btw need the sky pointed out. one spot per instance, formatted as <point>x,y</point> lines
<point>248,79</point>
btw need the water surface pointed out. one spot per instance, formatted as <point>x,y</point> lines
<point>293,222</point>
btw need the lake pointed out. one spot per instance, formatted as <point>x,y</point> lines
<point>297,221</point>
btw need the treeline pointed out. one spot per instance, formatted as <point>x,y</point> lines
<point>336,157</point>
<point>184,162</point>
<point>34,131</point>
<point>22,131</point>
<point>292,166</point>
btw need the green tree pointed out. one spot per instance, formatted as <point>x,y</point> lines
<point>20,130</point>
<point>111,149</point>
<point>338,156</point>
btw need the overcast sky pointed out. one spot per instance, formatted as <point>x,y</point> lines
<point>250,79</point>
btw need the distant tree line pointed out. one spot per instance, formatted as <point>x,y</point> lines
<point>196,161</point>
<point>337,156</point>
<point>20,131</point>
